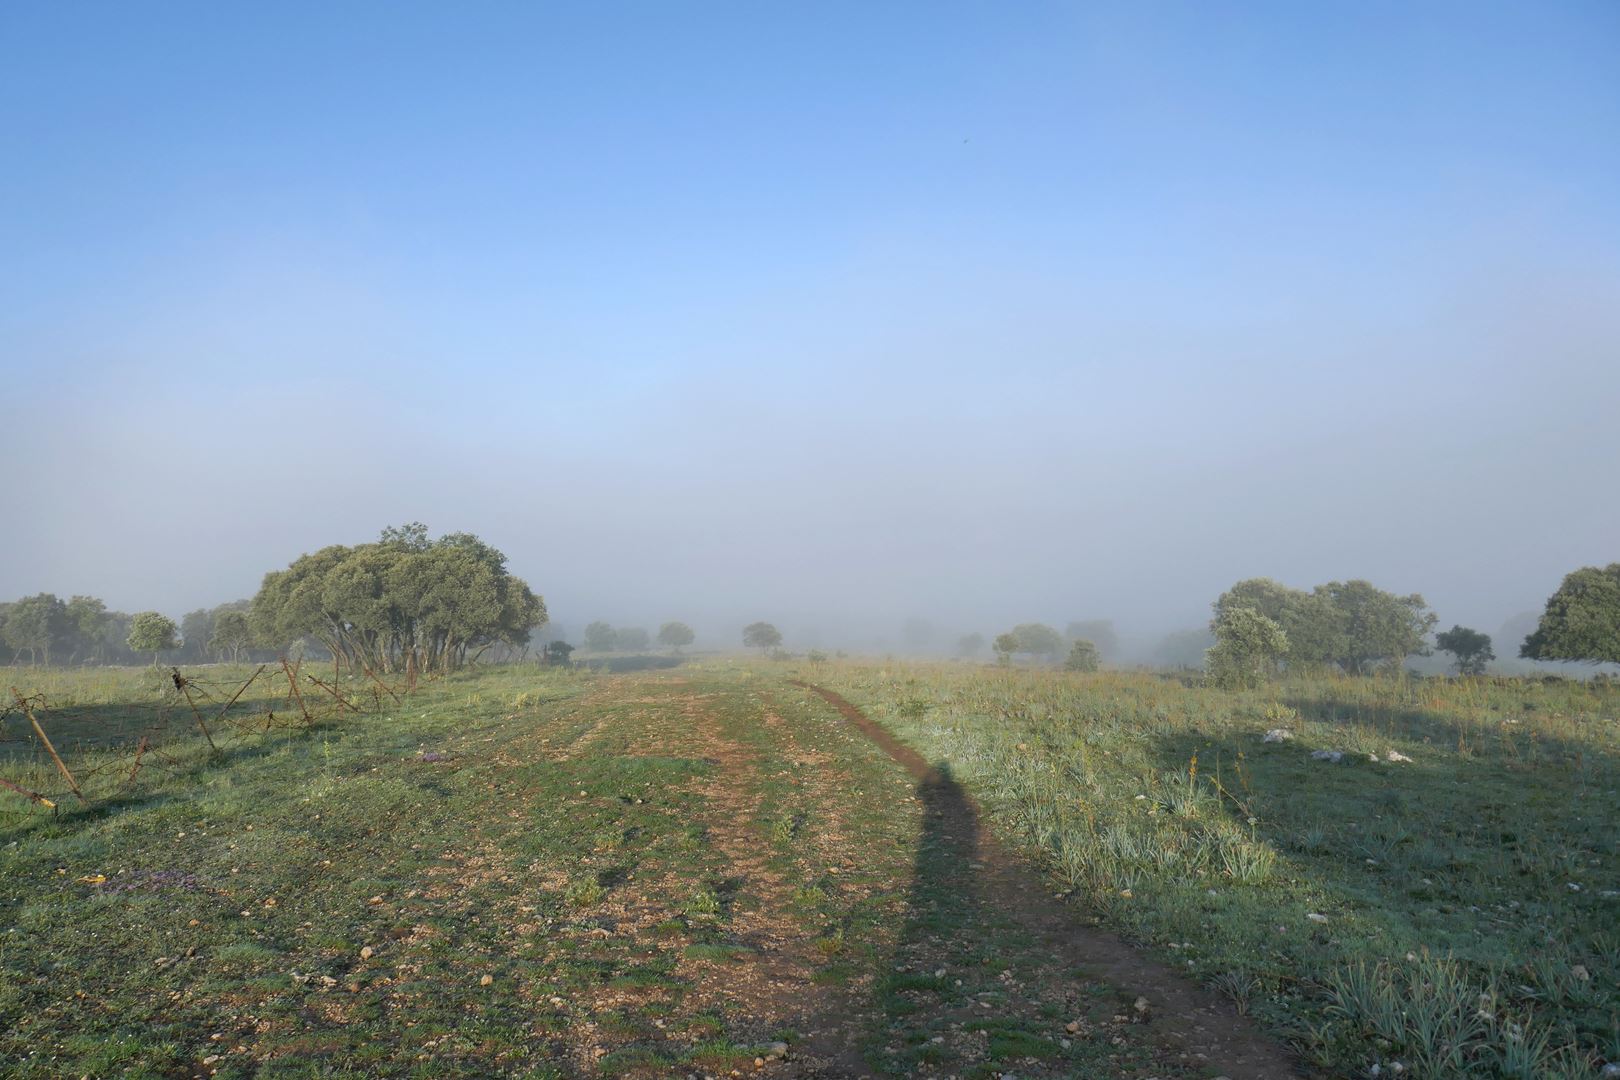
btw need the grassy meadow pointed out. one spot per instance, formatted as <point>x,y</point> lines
<point>516,872</point>
<point>707,871</point>
<point>1452,909</point>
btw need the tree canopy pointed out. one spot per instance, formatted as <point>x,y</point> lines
<point>232,633</point>
<point>152,632</point>
<point>632,639</point>
<point>1037,639</point>
<point>1349,623</point>
<point>1582,619</point>
<point>1100,632</point>
<point>37,625</point>
<point>402,603</point>
<point>1083,656</point>
<point>1469,648</point>
<point>676,635</point>
<point>1247,648</point>
<point>601,637</point>
<point>1005,645</point>
<point>761,636</point>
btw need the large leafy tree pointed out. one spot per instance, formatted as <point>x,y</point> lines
<point>89,618</point>
<point>1248,646</point>
<point>152,632</point>
<point>1082,656</point>
<point>1038,639</point>
<point>634,639</point>
<point>403,603</point>
<point>1469,648</point>
<point>196,631</point>
<point>761,636</point>
<point>1005,645</point>
<point>1581,620</point>
<point>601,637</point>
<point>232,634</point>
<point>676,635</point>
<point>1315,631</point>
<point>1377,626</point>
<point>1349,623</point>
<point>37,625</point>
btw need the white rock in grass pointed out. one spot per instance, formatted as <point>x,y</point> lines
<point>1334,756</point>
<point>1316,917</point>
<point>1395,755</point>
<point>1278,734</point>
<point>1611,1071</point>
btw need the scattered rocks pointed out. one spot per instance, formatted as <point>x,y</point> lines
<point>1278,734</point>
<point>1334,756</point>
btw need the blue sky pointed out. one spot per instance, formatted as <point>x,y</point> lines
<point>980,312</point>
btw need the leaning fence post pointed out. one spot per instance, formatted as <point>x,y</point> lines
<point>28,711</point>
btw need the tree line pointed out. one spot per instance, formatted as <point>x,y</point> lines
<point>1354,627</point>
<point>605,637</point>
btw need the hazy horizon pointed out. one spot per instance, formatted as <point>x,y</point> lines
<point>830,317</point>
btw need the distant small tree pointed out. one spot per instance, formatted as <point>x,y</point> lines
<point>1246,650</point>
<point>1184,648</point>
<point>1083,657</point>
<point>1100,632</point>
<point>970,645</point>
<point>632,639</point>
<point>151,632</point>
<point>601,637</point>
<point>1582,619</point>
<point>557,653</point>
<point>761,636</point>
<point>676,635</point>
<point>1470,648</point>
<point>1005,645</point>
<point>917,633</point>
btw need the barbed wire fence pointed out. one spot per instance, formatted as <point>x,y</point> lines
<point>87,755</point>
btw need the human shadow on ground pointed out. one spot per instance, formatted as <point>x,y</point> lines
<point>990,964</point>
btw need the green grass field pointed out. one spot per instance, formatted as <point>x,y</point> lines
<point>528,872</point>
<point>1457,913</point>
